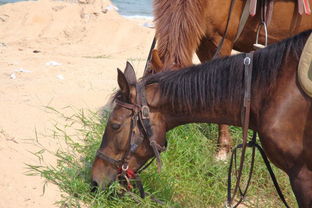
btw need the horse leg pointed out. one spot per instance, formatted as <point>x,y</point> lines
<point>286,135</point>
<point>301,183</point>
<point>301,178</point>
<point>205,53</point>
<point>289,155</point>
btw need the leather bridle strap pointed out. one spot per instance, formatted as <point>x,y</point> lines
<point>141,114</point>
<point>140,117</point>
<point>248,65</point>
<point>133,107</point>
<point>149,56</point>
<point>116,163</point>
<point>145,121</point>
<point>119,163</point>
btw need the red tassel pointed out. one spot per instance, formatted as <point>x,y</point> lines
<point>306,6</point>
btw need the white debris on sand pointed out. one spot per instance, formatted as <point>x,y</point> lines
<point>22,70</point>
<point>53,63</point>
<point>60,77</point>
<point>13,76</point>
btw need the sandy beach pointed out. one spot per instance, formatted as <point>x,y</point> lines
<point>57,54</point>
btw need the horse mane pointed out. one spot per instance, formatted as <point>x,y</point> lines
<point>200,87</point>
<point>174,19</point>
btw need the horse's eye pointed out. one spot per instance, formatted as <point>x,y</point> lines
<point>115,126</point>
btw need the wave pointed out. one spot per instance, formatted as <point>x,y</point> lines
<point>138,17</point>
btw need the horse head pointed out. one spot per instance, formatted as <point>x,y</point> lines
<point>135,131</point>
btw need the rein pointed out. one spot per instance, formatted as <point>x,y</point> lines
<point>148,60</point>
<point>248,65</point>
<point>252,144</point>
<point>219,47</point>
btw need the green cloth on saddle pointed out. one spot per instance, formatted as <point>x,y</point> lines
<point>305,67</point>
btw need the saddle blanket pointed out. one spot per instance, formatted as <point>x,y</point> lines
<point>305,67</point>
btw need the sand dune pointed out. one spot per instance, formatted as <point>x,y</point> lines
<point>58,54</point>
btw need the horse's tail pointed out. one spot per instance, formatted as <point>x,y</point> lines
<point>179,28</point>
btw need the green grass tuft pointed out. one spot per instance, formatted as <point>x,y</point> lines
<point>191,177</point>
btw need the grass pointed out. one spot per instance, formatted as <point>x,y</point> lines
<point>190,177</point>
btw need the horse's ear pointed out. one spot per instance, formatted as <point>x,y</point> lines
<point>156,62</point>
<point>123,83</point>
<point>130,74</point>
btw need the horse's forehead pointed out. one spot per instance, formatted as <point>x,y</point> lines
<point>119,113</point>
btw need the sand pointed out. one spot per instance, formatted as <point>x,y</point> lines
<point>56,54</point>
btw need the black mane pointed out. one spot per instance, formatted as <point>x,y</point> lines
<point>199,87</point>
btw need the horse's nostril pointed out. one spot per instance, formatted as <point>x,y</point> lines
<point>94,186</point>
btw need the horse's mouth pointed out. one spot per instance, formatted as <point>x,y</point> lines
<point>95,186</point>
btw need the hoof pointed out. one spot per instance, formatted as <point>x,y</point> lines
<point>222,155</point>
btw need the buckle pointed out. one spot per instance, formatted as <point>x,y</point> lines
<point>145,112</point>
<point>247,61</point>
<point>124,167</point>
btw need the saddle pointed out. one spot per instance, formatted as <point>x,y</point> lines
<point>266,9</point>
<point>305,67</point>
<point>303,6</point>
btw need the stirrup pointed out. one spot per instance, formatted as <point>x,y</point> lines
<point>257,45</point>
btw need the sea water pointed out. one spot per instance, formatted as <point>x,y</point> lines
<point>134,8</point>
<point>8,1</point>
<point>127,8</point>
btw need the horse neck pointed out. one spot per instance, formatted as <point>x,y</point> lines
<point>221,114</point>
<point>212,99</point>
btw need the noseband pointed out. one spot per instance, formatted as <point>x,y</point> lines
<point>141,119</point>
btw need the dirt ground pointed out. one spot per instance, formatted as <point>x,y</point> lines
<point>58,54</point>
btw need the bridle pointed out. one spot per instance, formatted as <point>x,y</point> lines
<point>140,118</point>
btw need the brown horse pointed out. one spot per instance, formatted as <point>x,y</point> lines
<point>213,92</point>
<point>183,27</point>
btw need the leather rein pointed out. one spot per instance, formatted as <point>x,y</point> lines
<point>248,66</point>
<point>140,118</point>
